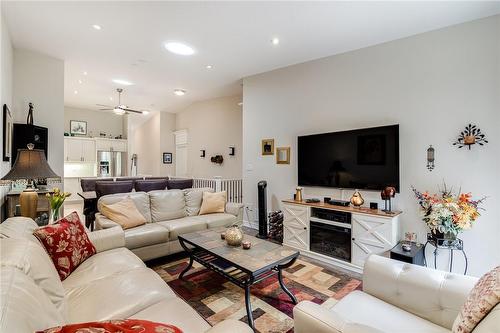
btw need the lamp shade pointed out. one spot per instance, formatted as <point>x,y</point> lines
<point>30,164</point>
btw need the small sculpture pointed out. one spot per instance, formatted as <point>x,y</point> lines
<point>234,236</point>
<point>218,159</point>
<point>430,158</point>
<point>386,195</point>
<point>357,200</point>
<point>29,119</point>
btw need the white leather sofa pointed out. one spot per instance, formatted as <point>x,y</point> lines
<point>396,298</point>
<point>112,284</point>
<point>168,214</point>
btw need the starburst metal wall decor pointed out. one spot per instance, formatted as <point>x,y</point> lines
<point>470,136</point>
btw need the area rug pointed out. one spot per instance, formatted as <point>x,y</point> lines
<point>216,299</point>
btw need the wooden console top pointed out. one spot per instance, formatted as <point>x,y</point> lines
<point>349,209</point>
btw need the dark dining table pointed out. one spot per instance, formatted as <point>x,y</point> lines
<point>89,207</point>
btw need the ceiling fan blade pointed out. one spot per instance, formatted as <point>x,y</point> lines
<point>131,110</point>
<point>106,109</point>
<point>106,106</point>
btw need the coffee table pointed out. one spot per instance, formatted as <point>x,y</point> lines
<point>242,267</point>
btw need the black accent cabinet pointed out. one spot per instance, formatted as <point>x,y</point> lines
<point>24,134</point>
<point>414,256</point>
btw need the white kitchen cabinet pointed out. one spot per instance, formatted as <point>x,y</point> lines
<point>296,226</point>
<point>111,145</point>
<point>372,235</point>
<point>79,150</point>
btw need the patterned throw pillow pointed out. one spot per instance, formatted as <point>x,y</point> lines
<point>67,243</point>
<point>481,300</point>
<point>115,326</point>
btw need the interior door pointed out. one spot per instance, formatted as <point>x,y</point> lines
<point>181,161</point>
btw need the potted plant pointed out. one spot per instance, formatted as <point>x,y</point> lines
<point>447,214</point>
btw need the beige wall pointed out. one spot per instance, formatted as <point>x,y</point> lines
<point>146,144</point>
<point>431,84</point>
<point>97,121</point>
<point>167,142</point>
<point>213,125</point>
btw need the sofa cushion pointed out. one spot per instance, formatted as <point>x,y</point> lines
<point>24,306</point>
<point>150,185</point>
<point>482,299</point>
<point>217,219</point>
<point>167,205</point>
<point>144,235</point>
<point>183,226</point>
<point>213,203</point>
<point>193,198</point>
<point>120,325</point>
<point>117,296</point>
<point>176,312</point>
<point>364,309</point>
<point>123,212</point>
<point>19,227</point>
<point>101,265</point>
<point>66,243</point>
<point>140,199</point>
<point>32,260</point>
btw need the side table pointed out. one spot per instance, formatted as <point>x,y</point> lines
<point>414,256</point>
<point>445,244</point>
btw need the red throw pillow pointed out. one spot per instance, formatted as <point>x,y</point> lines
<point>115,326</point>
<point>67,243</point>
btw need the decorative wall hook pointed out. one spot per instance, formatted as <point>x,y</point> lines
<point>231,151</point>
<point>202,152</point>
<point>430,158</point>
<point>470,136</point>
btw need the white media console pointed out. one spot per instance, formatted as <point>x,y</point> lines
<point>368,231</point>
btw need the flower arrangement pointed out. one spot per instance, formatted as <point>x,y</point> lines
<point>56,199</point>
<point>447,214</point>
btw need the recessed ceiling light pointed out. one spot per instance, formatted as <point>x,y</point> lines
<point>85,73</point>
<point>75,92</point>
<point>110,98</point>
<point>122,82</point>
<point>275,41</point>
<point>80,81</point>
<point>209,67</point>
<point>96,26</point>
<point>145,112</point>
<point>179,48</point>
<point>180,92</point>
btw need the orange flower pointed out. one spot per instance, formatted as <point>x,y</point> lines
<point>465,197</point>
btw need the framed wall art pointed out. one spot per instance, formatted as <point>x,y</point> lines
<point>268,147</point>
<point>78,127</point>
<point>167,158</point>
<point>7,133</point>
<point>283,155</point>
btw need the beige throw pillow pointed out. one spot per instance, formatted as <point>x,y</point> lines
<point>124,212</point>
<point>481,300</point>
<point>213,203</point>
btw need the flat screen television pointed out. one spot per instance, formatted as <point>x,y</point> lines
<point>358,159</point>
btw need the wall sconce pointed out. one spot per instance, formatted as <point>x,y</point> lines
<point>202,153</point>
<point>231,151</point>
<point>430,158</point>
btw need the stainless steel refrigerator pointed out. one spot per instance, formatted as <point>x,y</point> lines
<point>111,164</point>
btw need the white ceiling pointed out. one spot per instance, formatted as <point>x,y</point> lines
<point>234,37</point>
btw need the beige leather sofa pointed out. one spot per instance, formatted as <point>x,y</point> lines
<point>112,284</point>
<point>396,298</point>
<point>168,214</point>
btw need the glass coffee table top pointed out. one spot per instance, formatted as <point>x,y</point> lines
<point>261,255</point>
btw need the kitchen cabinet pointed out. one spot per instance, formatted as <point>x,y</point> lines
<point>111,145</point>
<point>296,226</point>
<point>79,150</point>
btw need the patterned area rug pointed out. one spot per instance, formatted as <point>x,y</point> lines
<point>216,299</point>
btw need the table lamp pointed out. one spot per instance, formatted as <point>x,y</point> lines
<point>30,164</point>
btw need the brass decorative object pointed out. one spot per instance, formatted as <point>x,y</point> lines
<point>234,236</point>
<point>386,195</point>
<point>357,200</point>
<point>298,194</point>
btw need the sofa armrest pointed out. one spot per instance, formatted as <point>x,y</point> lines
<point>230,326</point>
<point>311,317</point>
<point>235,209</point>
<point>107,239</point>
<point>102,222</point>
<point>434,295</point>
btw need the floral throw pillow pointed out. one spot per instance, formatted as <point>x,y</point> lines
<point>67,243</point>
<point>115,326</point>
<point>481,300</point>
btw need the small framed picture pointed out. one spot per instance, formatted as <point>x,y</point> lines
<point>7,133</point>
<point>78,127</point>
<point>411,236</point>
<point>167,158</point>
<point>283,155</point>
<point>268,147</point>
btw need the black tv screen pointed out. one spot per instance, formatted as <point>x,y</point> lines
<point>358,159</point>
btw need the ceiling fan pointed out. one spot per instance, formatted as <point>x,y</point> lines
<point>120,109</point>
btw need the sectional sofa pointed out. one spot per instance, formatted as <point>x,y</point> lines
<point>112,284</point>
<point>168,214</point>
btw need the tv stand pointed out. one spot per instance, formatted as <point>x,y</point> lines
<point>372,231</point>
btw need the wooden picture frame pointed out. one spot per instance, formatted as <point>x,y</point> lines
<point>8,127</point>
<point>283,155</point>
<point>267,147</point>
<point>78,127</point>
<point>167,158</point>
